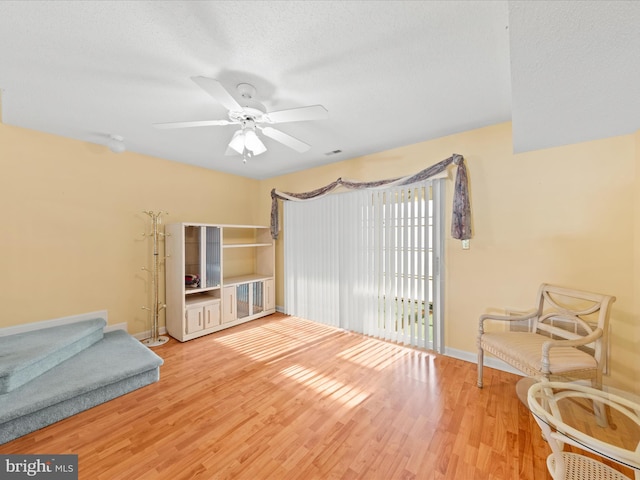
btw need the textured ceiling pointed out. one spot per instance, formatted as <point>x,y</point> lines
<point>575,71</point>
<point>389,73</point>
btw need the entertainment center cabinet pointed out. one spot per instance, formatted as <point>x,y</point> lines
<point>217,276</point>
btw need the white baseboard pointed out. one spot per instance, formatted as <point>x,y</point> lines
<point>147,333</point>
<point>488,361</point>
<point>28,327</point>
<point>117,326</point>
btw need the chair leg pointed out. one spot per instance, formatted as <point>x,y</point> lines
<point>480,364</point>
<point>559,466</point>
<point>599,409</point>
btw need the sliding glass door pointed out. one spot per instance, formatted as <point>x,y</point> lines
<point>369,261</point>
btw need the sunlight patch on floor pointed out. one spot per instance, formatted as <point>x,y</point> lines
<point>374,354</point>
<point>275,339</point>
<point>326,386</point>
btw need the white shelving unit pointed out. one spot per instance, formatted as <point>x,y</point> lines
<point>235,265</point>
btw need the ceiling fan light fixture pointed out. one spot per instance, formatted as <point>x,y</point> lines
<point>237,142</point>
<point>253,143</point>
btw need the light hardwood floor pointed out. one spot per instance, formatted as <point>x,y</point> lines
<point>285,398</point>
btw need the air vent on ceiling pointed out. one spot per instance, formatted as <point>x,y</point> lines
<point>333,152</point>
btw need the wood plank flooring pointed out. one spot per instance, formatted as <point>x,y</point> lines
<point>284,398</point>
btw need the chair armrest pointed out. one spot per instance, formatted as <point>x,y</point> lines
<point>548,345</point>
<point>504,318</point>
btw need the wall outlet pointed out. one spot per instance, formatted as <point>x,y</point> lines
<point>465,244</point>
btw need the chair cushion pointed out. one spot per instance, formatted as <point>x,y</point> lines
<point>579,466</point>
<point>526,349</point>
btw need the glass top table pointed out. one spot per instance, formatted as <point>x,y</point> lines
<point>603,421</point>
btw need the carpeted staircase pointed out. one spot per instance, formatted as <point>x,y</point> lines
<point>50,374</point>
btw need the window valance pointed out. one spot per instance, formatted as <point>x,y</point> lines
<point>460,219</point>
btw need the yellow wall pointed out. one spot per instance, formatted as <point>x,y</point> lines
<point>72,243</point>
<point>635,316</point>
<point>72,240</point>
<point>565,215</point>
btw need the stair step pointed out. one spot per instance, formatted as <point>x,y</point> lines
<point>112,367</point>
<point>25,356</point>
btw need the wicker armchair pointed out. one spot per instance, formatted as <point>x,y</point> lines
<point>565,335</point>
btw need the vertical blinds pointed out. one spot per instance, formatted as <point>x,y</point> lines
<point>368,261</point>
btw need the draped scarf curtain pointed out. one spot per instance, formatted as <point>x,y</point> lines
<point>461,217</point>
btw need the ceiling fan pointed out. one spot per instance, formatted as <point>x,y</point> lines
<point>251,116</point>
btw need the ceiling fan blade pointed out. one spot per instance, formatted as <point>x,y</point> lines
<point>286,139</point>
<point>312,112</point>
<point>199,123</point>
<point>218,92</point>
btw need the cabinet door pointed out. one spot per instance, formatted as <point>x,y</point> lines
<point>194,321</point>
<point>212,257</point>
<point>243,300</point>
<point>192,261</point>
<point>229,304</point>
<point>257,298</point>
<point>211,314</point>
<point>269,295</point>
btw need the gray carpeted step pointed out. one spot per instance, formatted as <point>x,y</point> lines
<point>24,356</point>
<point>116,365</point>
